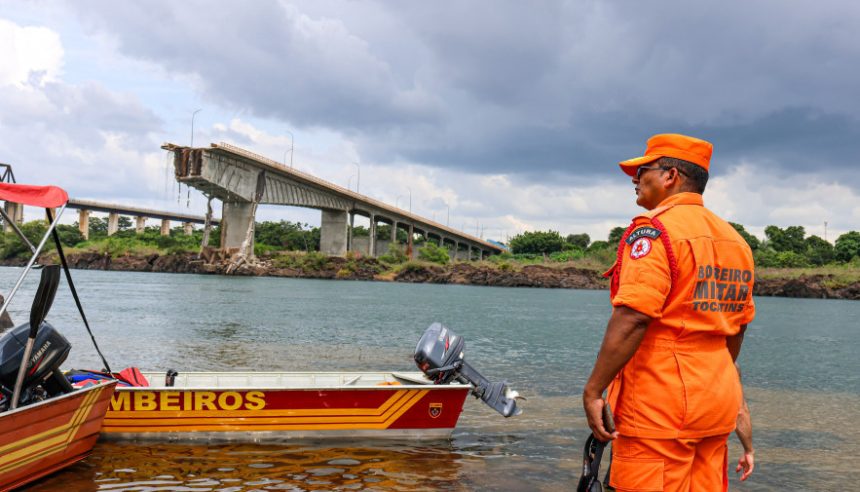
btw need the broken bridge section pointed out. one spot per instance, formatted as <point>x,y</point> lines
<point>242,180</point>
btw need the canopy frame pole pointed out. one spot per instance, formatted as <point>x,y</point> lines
<point>32,260</point>
<point>18,231</point>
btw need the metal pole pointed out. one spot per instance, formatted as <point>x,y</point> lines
<point>33,248</point>
<point>192,125</point>
<point>358,179</point>
<point>292,146</point>
<point>410,199</point>
<point>32,260</point>
<point>16,392</point>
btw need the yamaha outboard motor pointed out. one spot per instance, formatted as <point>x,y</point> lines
<point>439,355</point>
<point>49,351</point>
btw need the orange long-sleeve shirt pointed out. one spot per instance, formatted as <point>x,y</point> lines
<point>693,274</point>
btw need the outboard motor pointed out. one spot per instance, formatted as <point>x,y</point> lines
<point>439,355</point>
<point>49,351</point>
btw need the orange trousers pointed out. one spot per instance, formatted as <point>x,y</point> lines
<point>672,465</point>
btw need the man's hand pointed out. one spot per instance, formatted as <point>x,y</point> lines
<point>594,413</point>
<point>747,464</point>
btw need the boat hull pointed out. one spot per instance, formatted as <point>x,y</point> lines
<point>380,409</point>
<point>39,439</point>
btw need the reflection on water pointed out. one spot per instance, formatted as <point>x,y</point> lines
<point>239,467</point>
<point>801,372</point>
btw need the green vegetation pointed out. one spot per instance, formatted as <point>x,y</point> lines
<point>784,252</point>
<point>434,254</point>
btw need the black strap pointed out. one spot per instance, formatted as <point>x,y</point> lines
<point>72,287</point>
<point>592,454</point>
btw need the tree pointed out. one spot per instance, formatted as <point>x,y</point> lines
<point>124,223</point>
<point>537,242</point>
<point>293,236</point>
<point>615,236</point>
<point>98,227</point>
<point>751,240</point>
<point>819,251</point>
<point>847,246</point>
<point>69,234</point>
<point>581,241</point>
<point>788,239</point>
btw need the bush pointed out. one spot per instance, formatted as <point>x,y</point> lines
<point>434,253</point>
<point>569,255</point>
<point>769,258</point>
<point>580,241</point>
<point>69,235</point>
<point>314,260</point>
<point>395,255</point>
<point>501,257</point>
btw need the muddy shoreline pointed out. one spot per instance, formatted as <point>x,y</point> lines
<point>537,276</point>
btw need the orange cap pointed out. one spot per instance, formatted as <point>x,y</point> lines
<point>672,145</point>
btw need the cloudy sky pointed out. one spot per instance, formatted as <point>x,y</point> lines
<point>505,116</point>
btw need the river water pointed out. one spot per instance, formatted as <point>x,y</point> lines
<point>800,361</point>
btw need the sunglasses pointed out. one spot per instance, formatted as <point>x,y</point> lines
<point>642,169</point>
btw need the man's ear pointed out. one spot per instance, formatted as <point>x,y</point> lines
<point>673,179</point>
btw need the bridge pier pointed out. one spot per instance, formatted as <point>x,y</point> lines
<point>15,211</point>
<point>334,231</point>
<point>371,245</point>
<point>113,223</point>
<point>410,252</point>
<point>84,223</point>
<point>139,224</point>
<point>236,218</point>
<point>165,227</point>
<point>188,228</point>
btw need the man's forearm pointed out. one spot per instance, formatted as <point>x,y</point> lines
<point>744,428</point>
<point>734,342</point>
<point>624,333</point>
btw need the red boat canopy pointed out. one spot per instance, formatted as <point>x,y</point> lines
<point>36,196</point>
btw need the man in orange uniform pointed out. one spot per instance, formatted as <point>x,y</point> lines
<point>681,291</point>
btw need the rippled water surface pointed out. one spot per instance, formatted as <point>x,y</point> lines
<point>801,371</point>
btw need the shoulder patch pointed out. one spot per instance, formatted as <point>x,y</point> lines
<point>643,232</point>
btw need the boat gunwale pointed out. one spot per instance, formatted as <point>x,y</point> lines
<point>453,386</point>
<point>47,401</point>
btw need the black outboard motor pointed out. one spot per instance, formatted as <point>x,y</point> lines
<point>439,355</point>
<point>49,351</point>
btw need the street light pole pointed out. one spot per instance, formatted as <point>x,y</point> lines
<point>358,179</point>
<point>292,146</point>
<point>448,216</point>
<point>410,199</point>
<point>192,125</point>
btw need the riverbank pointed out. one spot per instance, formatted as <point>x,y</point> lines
<point>824,283</point>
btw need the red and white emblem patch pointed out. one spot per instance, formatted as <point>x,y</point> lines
<point>435,410</point>
<point>641,247</point>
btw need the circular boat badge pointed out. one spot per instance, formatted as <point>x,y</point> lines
<point>435,410</point>
<point>640,248</point>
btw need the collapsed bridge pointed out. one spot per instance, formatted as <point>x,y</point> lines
<point>243,180</point>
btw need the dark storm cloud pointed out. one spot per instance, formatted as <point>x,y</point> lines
<point>531,88</point>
